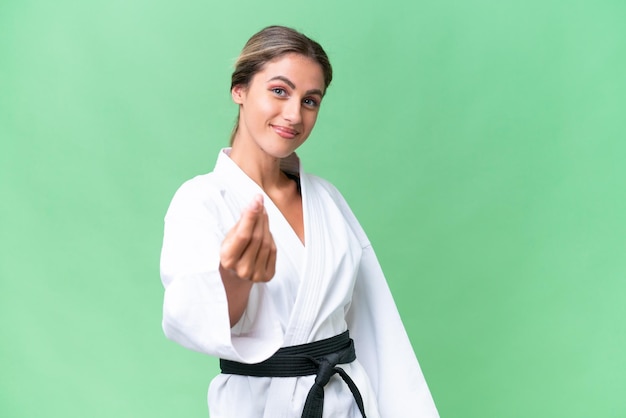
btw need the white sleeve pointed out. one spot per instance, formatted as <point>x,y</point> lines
<point>381,342</point>
<point>195,308</point>
<point>383,347</point>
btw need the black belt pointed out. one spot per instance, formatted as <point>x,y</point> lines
<point>318,358</point>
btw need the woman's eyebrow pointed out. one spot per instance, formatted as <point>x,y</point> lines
<point>293,86</point>
<point>284,79</point>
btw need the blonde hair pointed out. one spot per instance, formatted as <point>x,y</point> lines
<point>270,43</point>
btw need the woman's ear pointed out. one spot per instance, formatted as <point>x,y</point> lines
<point>238,93</point>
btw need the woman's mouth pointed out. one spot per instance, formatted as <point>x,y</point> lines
<point>284,132</point>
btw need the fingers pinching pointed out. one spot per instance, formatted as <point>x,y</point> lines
<point>238,238</point>
<point>248,250</point>
<point>249,218</point>
<point>270,266</point>
<point>267,250</point>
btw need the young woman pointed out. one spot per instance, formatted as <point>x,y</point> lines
<point>266,267</point>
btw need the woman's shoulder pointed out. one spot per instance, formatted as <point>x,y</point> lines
<point>197,192</point>
<point>337,197</point>
<point>201,182</point>
<point>198,187</point>
<point>324,184</point>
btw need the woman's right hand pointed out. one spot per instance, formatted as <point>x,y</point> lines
<point>249,251</point>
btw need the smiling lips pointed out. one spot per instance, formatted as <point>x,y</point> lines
<point>284,132</point>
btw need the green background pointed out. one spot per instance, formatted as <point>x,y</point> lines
<point>481,143</point>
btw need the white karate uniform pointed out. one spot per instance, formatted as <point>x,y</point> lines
<point>332,283</point>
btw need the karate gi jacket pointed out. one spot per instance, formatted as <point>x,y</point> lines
<point>331,283</point>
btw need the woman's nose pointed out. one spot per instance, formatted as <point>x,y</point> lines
<point>292,111</point>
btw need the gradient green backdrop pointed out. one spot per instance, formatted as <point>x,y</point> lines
<point>480,142</point>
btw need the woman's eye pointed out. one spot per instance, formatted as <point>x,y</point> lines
<point>279,91</point>
<point>311,102</point>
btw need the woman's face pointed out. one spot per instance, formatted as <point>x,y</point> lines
<point>278,109</point>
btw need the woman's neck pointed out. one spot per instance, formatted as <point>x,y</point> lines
<point>261,167</point>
